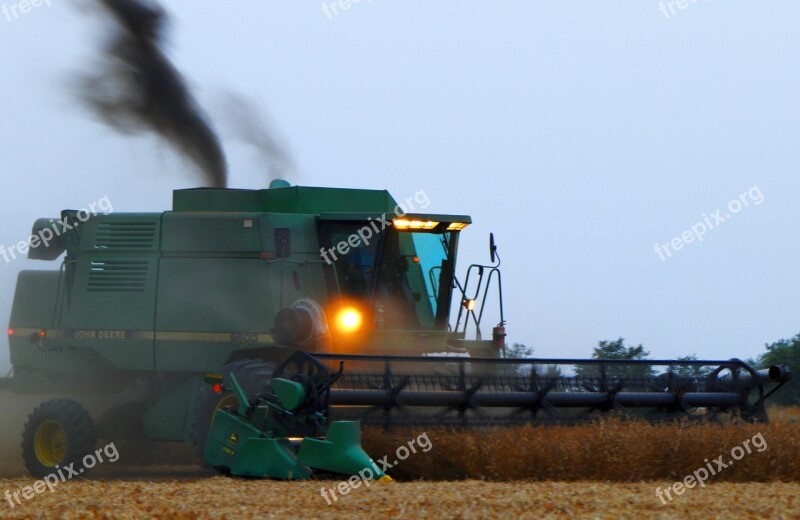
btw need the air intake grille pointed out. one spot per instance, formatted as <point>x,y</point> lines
<point>117,276</point>
<point>125,235</point>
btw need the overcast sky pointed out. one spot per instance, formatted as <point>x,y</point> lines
<point>581,133</point>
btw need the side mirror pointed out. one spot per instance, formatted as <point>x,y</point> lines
<point>492,248</point>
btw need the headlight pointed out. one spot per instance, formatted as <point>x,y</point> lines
<point>348,320</point>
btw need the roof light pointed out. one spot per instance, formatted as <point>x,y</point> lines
<point>457,226</point>
<point>403,224</point>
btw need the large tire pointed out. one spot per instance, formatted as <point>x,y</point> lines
<point>59,432</point>
<point>253,375</point>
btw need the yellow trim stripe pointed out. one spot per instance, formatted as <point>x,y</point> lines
<point>24,332</point>
<point>149,335</point>
<point>238,337</point>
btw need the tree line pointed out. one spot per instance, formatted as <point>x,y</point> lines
<point>781,352</point>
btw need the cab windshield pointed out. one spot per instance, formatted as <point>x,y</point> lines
<point>405,277</point>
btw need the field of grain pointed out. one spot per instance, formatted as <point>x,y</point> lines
<point>220,497</point>
<point>608,469</point>
<point>610,450</point>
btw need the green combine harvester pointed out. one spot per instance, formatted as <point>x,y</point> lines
<point>236,282</point>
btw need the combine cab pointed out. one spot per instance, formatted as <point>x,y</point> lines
<point>236,281</point>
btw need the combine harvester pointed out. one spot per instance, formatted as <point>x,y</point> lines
<point>235,282</point>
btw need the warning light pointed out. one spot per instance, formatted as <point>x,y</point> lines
<point>457,226</point>
<point>348,320</point>
<point>42,333</point>
<point>402,224</point>
<point>10,332</point>
<point>217,388</point>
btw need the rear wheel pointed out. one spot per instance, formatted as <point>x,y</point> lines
<point>253,375</point>
<point>58,433</point>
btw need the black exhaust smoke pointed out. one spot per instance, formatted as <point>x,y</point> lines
<point>139,88</point>
<point>251,127</point>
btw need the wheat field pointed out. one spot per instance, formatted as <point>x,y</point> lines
<point>608,469</point>
<point>609,450</point>
<point>221,497</point>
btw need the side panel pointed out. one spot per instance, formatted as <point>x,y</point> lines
<point>33,310</point>
<point>208,307</point>
<point>222,280</point>
<point>110,287</point>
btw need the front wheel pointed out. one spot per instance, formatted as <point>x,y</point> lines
<point>59,432</point>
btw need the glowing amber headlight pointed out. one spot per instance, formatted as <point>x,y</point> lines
<point>457,226</point>
<point>348,320</point>
<point>403,224</point>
